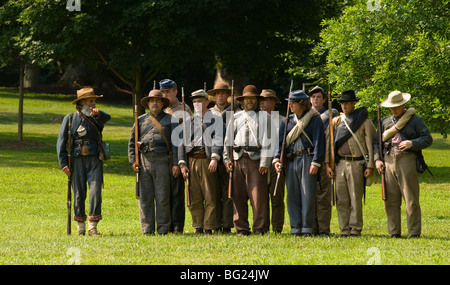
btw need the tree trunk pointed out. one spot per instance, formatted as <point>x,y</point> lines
<point>20,119</point>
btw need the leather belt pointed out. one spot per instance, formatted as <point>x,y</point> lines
<point>198,155</point>
<point>351,158</point>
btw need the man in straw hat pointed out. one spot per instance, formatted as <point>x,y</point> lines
<point>86,131</point>
<point>268,102</point>
<point>403,134</point>
<point>204,147</point>
<point>305,148</point>
<point>252,158</point>
<point>169,90</point>
<point>158,159</point>
<point>224,205</point>
<point>354,133</point>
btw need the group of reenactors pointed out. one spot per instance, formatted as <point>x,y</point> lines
<point>242,152</point>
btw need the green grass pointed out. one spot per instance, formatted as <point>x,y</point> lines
<point>33,208</point>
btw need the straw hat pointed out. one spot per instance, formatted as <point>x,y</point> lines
<point>395,99</point>
<point>155,94</point>
<point>85,93</point>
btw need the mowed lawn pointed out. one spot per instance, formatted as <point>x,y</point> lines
<point>33,209</point>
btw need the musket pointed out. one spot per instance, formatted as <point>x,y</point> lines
<point>69,179</point>
<point>188,190</point>
<point>380,149</point>
<point>136,144</point>
<point>283,144</point>
<point>230,178</point>
<point>332,154</point>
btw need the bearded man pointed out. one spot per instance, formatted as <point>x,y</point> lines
<point>87,168</point>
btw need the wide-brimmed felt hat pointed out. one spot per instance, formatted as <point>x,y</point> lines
<point>395,99</point>
<point>270,94</point>
<point>219,86</point>
<point>348,96</point>
<point>249,91</point>
<point>199,94</point>
<point>166,84</point>
<point>297,95</point>
<point>155,94</point>
<point>85,93</point>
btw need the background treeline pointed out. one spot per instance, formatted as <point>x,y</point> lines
<point>122,47</point>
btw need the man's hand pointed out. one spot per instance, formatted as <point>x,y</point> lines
<point>212,165</point>
<point>330,172</point>
<point>380,166</point>
<point>185,171</point>
<point>66,170</point>
<point>313,169</point>
<point>176,171</point>
<point>229,166</point>
<point>263,170</point>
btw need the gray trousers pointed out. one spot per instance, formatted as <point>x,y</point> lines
<point>87,170</point>
<point>154,193</point>
<point>301,194</point>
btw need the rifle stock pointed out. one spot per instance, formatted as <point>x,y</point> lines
<point>188,190</point>
<point>380,150</point>
<point>332,154</point>
<point>69,179</point>
<point>136,144</point>
<point>230,177</point>
<point>283,144</point>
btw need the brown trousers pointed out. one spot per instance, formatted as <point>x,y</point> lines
<point>277,201</point>
<point>248,183</point>
<point>402,181</point>
<point>323,202</point>
<point>349,194</point>
<point>203,185</point>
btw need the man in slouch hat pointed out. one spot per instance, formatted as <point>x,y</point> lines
<point>204,147</point>
<point>86,130</point>
<point>169,90</point>
<point>268,102</point>
<point>224,205</point>
<point>158,162</point>
<point>305,148</point>
<point>354,133</point>
<point>404,135</point>
<point>252,158</point>
<point>323,191</point>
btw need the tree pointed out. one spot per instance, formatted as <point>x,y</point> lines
<point>382,46</point>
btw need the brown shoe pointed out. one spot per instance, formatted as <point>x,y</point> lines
<point>94,233</point>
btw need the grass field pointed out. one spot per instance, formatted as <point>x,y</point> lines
<point>33,209</point>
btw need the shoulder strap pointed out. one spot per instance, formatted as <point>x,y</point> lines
<point>356,139</point>
<point>161,130</point>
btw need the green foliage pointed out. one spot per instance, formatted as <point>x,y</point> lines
<point>394,45</point>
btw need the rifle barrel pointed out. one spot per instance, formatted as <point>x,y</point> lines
<point>331,134</point>
<point>188,190</point>
<point>380,150</point>
<point>230,178</point>
<point>283,144</point>
<point>136,143</point>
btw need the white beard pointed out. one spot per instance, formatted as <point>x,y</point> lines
<point>86,110</point>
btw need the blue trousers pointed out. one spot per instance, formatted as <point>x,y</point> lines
<point>301,194</point>
<point>87,170</point>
